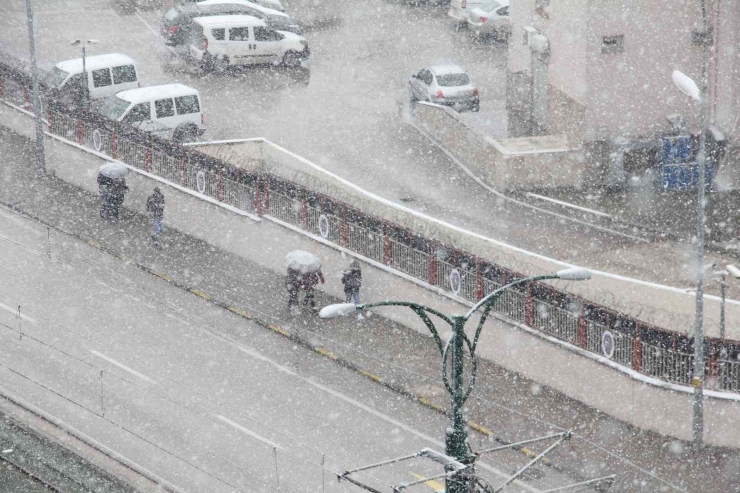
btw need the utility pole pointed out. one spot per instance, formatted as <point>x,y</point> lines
<point>35,94</point>
<point>456,443</point>
<point>697,381</point>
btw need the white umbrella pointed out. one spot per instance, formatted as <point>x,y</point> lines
<point>303,262</point>
<point>114,171</point>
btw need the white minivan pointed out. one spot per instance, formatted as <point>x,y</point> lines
<point>107,75</point>
<point>459,9</point>
<point>221,41</point>
<point>171,110</point>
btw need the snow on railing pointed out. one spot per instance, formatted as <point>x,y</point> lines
<point>648,349</point>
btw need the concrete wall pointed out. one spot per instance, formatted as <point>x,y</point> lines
<point>629,93</point>
<point>570,370</point>
<point>478,153</point>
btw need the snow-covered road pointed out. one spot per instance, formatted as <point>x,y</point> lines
<point>199,396</point>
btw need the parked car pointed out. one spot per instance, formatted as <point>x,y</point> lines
<point>271,4</point>
<point>170,110</point>
<point>459,9</point>
<point>221,41</point>
<point>491,19</point>
<point>176,23</point>
<point>448,85</point>
<point>106,75</point>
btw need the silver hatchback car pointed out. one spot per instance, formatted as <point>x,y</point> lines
<point>448,85</point>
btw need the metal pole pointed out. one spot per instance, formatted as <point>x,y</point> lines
<point>723,292</point>
<point>456,444</point>
<point>40,154</point>
<point>698,379</point>
<point>84,76</point>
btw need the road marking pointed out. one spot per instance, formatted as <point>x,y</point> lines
<point>248,432</point>
<point>164,276</point>
<point>279,330</point>
<point>326,352</point>
<point>240,312</point>
<point>14,311</point>
<point>256,355</point>
<point>362,406</point>
<point>406,428</point>
<point>200,293</point>
<point>371,376</point>
<point>122,366</point>
<point>436,486</point>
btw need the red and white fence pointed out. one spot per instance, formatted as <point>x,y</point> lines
<point>645,348</point>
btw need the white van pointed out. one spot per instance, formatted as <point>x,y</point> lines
<point>107,75</point>
<point>221,41</point>
<point>171,110</point>
<point>459,9</point>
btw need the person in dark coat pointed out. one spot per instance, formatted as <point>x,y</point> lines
<point>155,208</point>
<point>309,282</point>
<point>117,190</point>
<point>352,280</point>
<point>104,188</point>
<point>293,284</point>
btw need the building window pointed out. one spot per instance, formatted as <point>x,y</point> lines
<point>612,44</point>
<point>699,37</point>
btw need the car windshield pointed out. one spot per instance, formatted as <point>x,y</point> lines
<point>490,6</point>
<point>171,14</point>
<point>55,77</point>
<point>453,80</point>
<point>278,20</point>
<point>114,107</point>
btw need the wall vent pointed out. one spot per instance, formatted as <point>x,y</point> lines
<point>612,44</point>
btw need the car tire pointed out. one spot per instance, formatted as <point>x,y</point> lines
<point>185,132</point>
<point>291,60</point>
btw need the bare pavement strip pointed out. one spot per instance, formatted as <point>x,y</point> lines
<point>505,407</point>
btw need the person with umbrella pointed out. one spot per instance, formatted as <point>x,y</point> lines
<point>304,272</point>
<point>309,282</point>
<point>112,188</point>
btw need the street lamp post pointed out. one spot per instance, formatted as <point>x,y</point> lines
<point>456,440</point>
<point>699,93</point>
<point>84,43</point>
<point>40,154</point>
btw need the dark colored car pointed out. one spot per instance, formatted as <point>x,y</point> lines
<point>176,23</point>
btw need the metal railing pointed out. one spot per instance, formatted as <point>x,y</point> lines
<point>387,243</point>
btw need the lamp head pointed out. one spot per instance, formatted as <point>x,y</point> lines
<point>574,274</point>
<point>734,271</point>
<point>686,85</point>
<point>338,310</point>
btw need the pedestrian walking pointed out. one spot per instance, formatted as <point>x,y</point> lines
<point>309,283</point>
<point>155,208</point>
<point>118,191</point>
<point>104,188</point>
<point>352,280</point>
<point>293,284</point>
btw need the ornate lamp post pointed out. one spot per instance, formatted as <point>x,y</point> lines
<point>456,442</point>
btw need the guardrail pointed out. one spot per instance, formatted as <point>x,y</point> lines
<point>648,349</point>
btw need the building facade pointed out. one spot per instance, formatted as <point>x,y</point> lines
<point>598,74</point>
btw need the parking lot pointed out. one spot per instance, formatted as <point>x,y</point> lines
<point>347,115</point>
<point>345,118</point>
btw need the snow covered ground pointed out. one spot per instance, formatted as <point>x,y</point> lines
<point>193,393</point>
